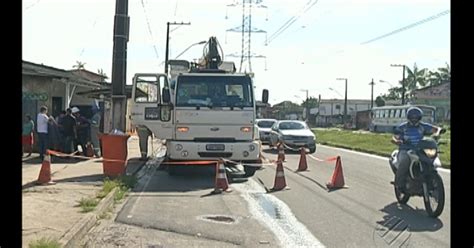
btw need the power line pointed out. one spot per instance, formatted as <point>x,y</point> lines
<point>292,20</point>
<point>32,5</point>
<point>149,30</point>
<point>408,27</point>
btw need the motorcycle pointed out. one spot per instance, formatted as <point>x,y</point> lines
<point>423,178</point>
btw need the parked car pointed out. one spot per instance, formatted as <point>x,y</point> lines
<point>294,134</point>
<point>264,129</point>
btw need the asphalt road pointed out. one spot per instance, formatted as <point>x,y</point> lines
<point>305,215</point>
<point>356,216</point>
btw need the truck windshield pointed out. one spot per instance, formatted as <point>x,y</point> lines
<point>214,91</point>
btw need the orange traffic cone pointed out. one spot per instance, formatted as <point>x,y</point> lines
<point>221,179</point>
<point>280,182</point>
<point>337,180</point>
<point>44,177</point>
<point>302,165</point>
<point>281,152</point>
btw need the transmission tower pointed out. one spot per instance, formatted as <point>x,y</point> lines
<point>246,30</point>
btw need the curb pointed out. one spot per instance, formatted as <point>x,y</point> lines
<point>73,237</point>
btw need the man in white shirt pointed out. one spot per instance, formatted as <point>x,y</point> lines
<point>42,121</point>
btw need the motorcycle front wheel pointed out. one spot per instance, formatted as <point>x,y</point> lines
<point>402,198</point>
<point>434,196</point>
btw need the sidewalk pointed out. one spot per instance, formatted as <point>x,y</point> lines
<point>51,211</point>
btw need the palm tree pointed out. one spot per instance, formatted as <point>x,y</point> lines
<point>79,65</point>
<point>443,74</point>
<point>415,78</point>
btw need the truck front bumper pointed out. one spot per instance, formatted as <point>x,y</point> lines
<point>236,151</point>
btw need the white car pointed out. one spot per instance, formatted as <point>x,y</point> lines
<point>294,134</point>
<point>264,129</point>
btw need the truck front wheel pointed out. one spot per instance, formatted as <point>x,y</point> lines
<point>250,170</point>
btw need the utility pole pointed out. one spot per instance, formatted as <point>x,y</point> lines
<point>403,82</point>
<point>307,106</point>
<point>119,64</point>
<point>345,100</point>
<point>372,94</point>
<point>168,40</point>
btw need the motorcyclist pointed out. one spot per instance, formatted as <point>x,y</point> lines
<point>407,135</point>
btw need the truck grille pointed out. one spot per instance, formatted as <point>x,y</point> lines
<point>215,154</point>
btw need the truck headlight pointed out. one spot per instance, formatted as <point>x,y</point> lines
<point>245,129</point>
<point>252,147</point>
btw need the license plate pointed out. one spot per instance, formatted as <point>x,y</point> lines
<point>215,147</point>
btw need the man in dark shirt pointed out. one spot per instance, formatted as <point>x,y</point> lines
<point>69,131</point>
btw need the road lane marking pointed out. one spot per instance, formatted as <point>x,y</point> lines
<point>141,192</point>
<point>277,216</point>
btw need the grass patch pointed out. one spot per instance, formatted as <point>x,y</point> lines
<point>88,204</point>
<point>374,143</point>
<point>122,183</point>
<point>108,186</point>
<point>44,243</point>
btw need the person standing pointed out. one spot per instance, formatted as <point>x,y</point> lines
<point>69,131</point>
<point>82,127</point>
<point>42,122</point>
<point>143,134</point>
<point>27,135</point>
<point>95,124</point>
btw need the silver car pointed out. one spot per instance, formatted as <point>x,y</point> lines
<point>264,129</point>
<point>294,134</point>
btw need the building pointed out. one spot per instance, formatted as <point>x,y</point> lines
<point>330,111</point>
<point>58,89</point>
<point>438,96</point>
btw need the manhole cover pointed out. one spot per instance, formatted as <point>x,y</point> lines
<point>218,218</point>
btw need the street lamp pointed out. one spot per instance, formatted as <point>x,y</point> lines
<point>403,81</point>
<point>372,94</point>
<point>391,85</point>
<point>345,100</point>
<point>337,92</point>
<point>185,50</point>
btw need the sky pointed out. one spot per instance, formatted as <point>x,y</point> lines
<point>327,39</point>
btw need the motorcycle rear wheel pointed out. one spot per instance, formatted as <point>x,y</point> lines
<point>434,200</point>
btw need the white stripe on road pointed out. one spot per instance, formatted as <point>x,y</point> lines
<point>150,175</point>
<point>289,231</point>
<point>367,155</point>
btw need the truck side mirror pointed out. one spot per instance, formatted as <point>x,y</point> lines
<point>265,96</point>
<point>166,95</point>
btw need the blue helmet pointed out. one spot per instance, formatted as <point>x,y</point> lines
<point>414,115</point>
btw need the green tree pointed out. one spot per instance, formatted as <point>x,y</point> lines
<point>415,78</point>
<point>379,101</point>
<point>394,93</point>
<point>442,74</point>
<point>312,103</point>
